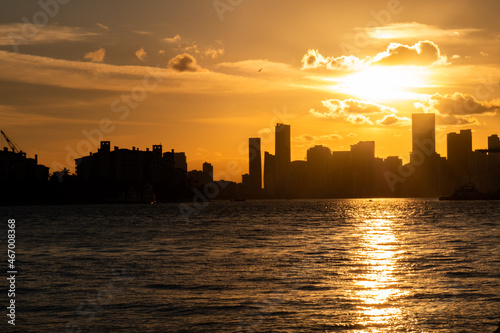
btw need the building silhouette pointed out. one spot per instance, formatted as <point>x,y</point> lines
<point>283,159</point>
<point>132,175</point>
<point>319,175</point>
<point>494,143</point>
<point>363,168</point>
<point>459,151</point>
<point>255,165</point>
<point>424,133</point>
<point>208,171</point>
<point>269,173</point>
<point>22,179</point>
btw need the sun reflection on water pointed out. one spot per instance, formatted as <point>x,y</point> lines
<point>377,287</point>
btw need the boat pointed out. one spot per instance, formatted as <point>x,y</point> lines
<point>470,192</point>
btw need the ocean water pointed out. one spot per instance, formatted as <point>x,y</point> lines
<point>258,266</point>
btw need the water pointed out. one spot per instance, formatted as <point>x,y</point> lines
<point>257,266</point>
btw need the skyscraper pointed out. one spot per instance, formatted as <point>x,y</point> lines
<point>208,171</point>
<point>427,178</point>
<point>319,160</point>
<point>282,146</point>
<point>283,158</point>
<point>493,142</point>
<point>459,148</point>
<point>269,172</point>
<point>424,133</point>
<point>255,163</point>
<point>363,168</point>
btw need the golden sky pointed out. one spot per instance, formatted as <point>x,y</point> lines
<point>204,76</point>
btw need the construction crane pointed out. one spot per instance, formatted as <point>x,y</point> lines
<point>12,145</point>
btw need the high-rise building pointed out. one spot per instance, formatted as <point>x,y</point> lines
<point>208,171</point>
<point>255,164</point>
<point>493,142</point>
<point>282,146</point>
<point>283,159</point>
<point>363,168</point>
<point>269,172</point>
<point>424,133</point>
<point>459,148</point>
<point>319,170</point>
<point>179,159</point>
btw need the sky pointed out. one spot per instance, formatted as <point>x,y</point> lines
<point>201,77</point>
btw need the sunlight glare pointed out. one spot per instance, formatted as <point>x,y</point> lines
<point>381,83</point>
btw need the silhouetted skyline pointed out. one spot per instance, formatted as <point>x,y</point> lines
<point>134,175</point>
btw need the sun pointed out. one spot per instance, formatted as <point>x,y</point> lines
<point>382,83</point>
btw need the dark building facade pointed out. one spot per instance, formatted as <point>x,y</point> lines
<point>133,175</point>
<point>283,159</point>
<point>255,164</point>
<point>459,151</point>
<point>22,179</point>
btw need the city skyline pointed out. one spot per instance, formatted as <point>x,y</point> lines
<point>135,175</point>
<point>339,74</point>
<point>282,137</point>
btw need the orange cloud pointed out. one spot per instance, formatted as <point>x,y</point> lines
<point>458,104</point>
<point>141,54</point>
<point>96,56</point>
<point>313,59</point>
<point>184,63</point>
<point>392,120</point>
<point>174,39</point>
<point>423,53</point>
<point>357,112</point>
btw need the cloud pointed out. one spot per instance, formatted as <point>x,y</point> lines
<point>174,39</point>
<point>416,30</point>
<point>210,52</point>
<point>393,120</point>
<point>141,54</point>
<point>352,135</point>
<point>359,119</point>
<point>96,56</point>
<point>457,120</point>
<point>184,63</point>
<point>337,108</point>
<point>213,53</point>
<point>306,138</point>
<point>86,75</point>
<point>423,53</point>
<point>102,26</point>
<point>313,59</point>
<point>458,104</point>
<point>357,112</point>
<point>18,34</point>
